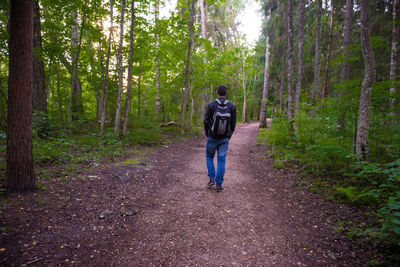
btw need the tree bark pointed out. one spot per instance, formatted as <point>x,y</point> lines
<point>345,72</point>
<point>300,55</point>
<point>328,57</point>
<point>394,91</point>
<point>362,145</point>
<point>39,93</point>
<point>264,102</point>
<point>187,67</point>
<point>104,84</point>
<point>120,71</point>
<point>19,158</point>
<point>130,65</point>
<point>317,58</point>
<point>244,113</point>
<point>158,73</point>
<point>290,57</point>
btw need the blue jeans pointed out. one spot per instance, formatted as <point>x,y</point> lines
<point>221,146</point>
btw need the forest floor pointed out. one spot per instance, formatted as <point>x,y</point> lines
<point>155,210</point>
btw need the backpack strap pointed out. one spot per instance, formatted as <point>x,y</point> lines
<point>220,102</point>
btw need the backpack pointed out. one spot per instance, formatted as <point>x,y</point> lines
<point>221,119</point>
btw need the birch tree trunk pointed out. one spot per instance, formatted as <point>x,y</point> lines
<point>39,94</point>
<point>317,58</point>
<point>130,64</point>
<point>158,74</point>
<point>120,71</point>
<point>203,20</point>
<point>203,12</point>
<point>345,72</point>
<point>104,84</point>
<point>328,57</point>
<point>394,91</point>
<point>244,114</point>
<point>187,67</point>
<point>264,102</point>
<point>290,57</point>
<point>362,145</point>
<point>300,55</point>
<point>19,158</point>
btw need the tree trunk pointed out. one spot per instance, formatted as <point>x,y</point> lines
<point>76,104</point>
<point>328,57</point>
<point>191,101</point>
<point>290,57</point>
<point>39,94</point>
<point>394,91</point>
<point>203,11</point>
<point>140,76</point>
<point>282,84</point>
<point>263,115</point>
<point>19,173</point>
<point>158,73</point>
<point>186,82</point>
<point>362,146</point>
<point>300,55</point>
<point>104,84</point>
<point>203,20</point>
<point>130,65</point>
<point>317,59</point>
<point>244,114</point>
<point>345,72</point>
<point>120,71</point>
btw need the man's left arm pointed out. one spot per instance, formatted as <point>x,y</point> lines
<point>233,119</point>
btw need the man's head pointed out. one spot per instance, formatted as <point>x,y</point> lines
<point>222,90</point>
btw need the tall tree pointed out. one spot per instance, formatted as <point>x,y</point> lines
<point>158,72</point>
<point>394,91</point>
<point>289,15</point>
<point>120,71</point>
<point>19,173</point>
<point>104,82</point>
<point>39,94</point>
<point>130,65</point>
<point>190,4</point>
<point>345,72</point>
<point>300,55</point>
<point>362,145</point>
<point>282,82</point>
<point>244,113</point>
<point>317,58</point>
<point>264,102</point>
<point>328,57</point>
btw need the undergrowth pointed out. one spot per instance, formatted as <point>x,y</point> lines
<point>60,151</point>
<point>323,154</point>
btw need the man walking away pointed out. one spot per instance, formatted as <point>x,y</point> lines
<point>219,124</point>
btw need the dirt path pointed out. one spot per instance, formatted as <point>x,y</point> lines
<point>161,214</point>
<point>248,224</point>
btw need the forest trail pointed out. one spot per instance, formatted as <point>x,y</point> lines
<point>160,213</point>
<point>253,222</point>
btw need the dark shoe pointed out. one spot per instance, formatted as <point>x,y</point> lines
<point>211,183</point>
<point>219,188</point>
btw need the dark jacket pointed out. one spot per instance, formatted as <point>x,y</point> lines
<point>208,118</point>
